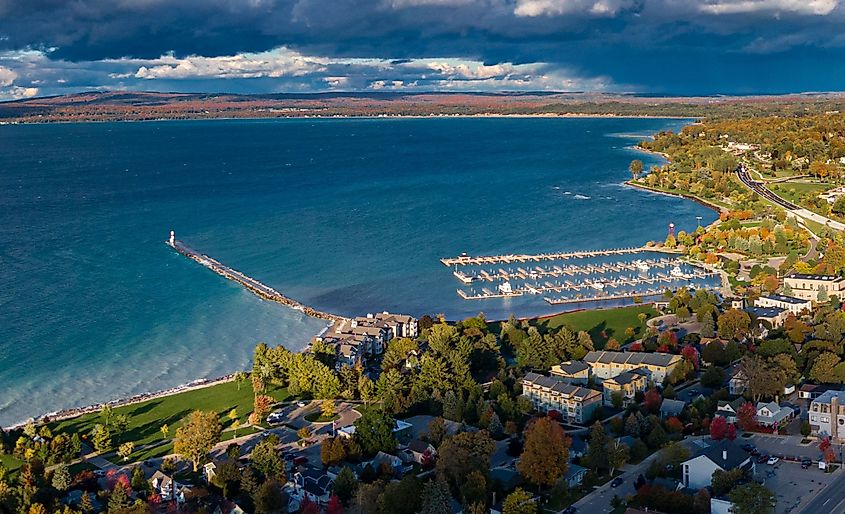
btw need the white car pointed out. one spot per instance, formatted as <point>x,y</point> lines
<point>772,461</point>
<point>274,418</point>
<point>301,404</point>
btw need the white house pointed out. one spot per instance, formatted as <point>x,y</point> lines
<point>771,414</point>
<point>787,303</point>
<point>725,455</point>
<point>737,383</point>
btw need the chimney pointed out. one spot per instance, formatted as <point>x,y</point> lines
<point>724,454</point>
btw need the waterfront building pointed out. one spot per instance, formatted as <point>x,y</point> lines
<point>628,383</point>
<point>574,403</point>
<point>788,303</point>
<point>576,372</point>
<point>363,336</point>
<point>810,287</point>
<point>604,365</point>
<point>827,415</point>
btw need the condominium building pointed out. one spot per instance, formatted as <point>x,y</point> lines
<point>810,287</point>
<point>367,335</point>
<point>576,372</point>
<point>575,403</point>
<point>628,383</point>
<point>787,303</point>
<point>604,365</point>
<point>827,415</point>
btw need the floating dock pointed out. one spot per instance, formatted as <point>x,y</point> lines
<point>254,286</point>
<point>466,260</point>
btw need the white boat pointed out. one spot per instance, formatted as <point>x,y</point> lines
<point>676,272</point>
<point>597,286</point>
<point>505,288</point>
<point>642,266</point>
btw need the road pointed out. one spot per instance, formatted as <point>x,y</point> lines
<point>831,499</point>
<point>758,187</point>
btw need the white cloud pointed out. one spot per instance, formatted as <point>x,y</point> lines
<point>7,76</point>
<point>814,7</point>
<point>530,8</point>
<point>274,64</point>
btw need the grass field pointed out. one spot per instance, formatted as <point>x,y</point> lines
<point>792,191</point>
<point>10,463</point>
<point>602,324</point>
<point>146,418</point>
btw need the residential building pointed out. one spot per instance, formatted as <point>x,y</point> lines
<point>604,365</point>
<point>402,325</point>
<point>787,303</point>
<point>357,338</point>
<point>575,475</point>
<point>737,383</point>
<point>669,408</point>
<point>628,384</point>
<point>827,415</point>
<point>772,415</point>
<point>725,455</point>
<point>575,371</point>
<point>402,431</point>
<point>311,483</point>
<point>167,488</point>
<point>574,403</point>
<point>419,450</point>
<point>730,410</point>
<point>767,317</point>
<point>813,391</point>
<point>808,287</point>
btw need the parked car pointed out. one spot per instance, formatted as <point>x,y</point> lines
<point>617,482</point>
<point>301,404</point>
<point>806,463</point>
<point>772,460</point>
<point>748,447</point>
<point>570,510</point>
<point>275,418</point>
<point>755,452</point>
<point>762,459</point>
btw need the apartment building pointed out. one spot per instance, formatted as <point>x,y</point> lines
<point>604,365</point>
<point>628,383</point>
<point>787,303</point>
<point>575,403</point>
<point>810,287</point>
<point>575,371</point>
<point>827,415</point>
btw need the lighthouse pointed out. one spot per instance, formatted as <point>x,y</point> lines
<point>172,240</point>
<point>672,229</point>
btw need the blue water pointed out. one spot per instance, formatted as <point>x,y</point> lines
<point>349,216</point>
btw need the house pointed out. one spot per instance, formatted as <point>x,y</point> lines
<point>604,365</point>
<point>401,431</point>
<point>737,383</point>
<point>506,478</point>
<point>575,371</point>
<point>575,475</point>
<point>574,403</point>
<point>669,408</point>
<point>725,455</point>
<point>228,507</point>
<point>729,410</point>
<point>312,483</point>
<point>419,450</point>
<point>772,415</point>
<point>814,287</point>
<point>209,471</point>
<point>827,415</point>
<point>402,325</point>
<point>628,384</point>
<point>813,391</point>
<point>767,317</point>
<point>788,303</point>
<point>385,461</point>
<point>577,448</point>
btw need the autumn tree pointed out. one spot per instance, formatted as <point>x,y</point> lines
<point>617,455</point>
<point>746,417</point>
<point>546,455</point>
<point>636,167</point>
<point>718,428</point>
<point>652,400</point>
<point>734,324</point>
<point>519,502</point>
<point>463,453</point>
<point>197,436</point>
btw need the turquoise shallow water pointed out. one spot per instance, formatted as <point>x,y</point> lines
<point>348,216</point>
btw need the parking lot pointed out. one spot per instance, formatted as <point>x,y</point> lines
<point>794,487</point>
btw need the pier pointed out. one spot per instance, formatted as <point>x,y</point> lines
<point>254,286</point>
<point>466,260</point>
<point>559,271</point>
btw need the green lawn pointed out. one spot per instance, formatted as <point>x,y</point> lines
<point>146,419</point>
<point>792,191</point>
<point>10,463</point>
<point>317,417</point>
<point>604,323</point>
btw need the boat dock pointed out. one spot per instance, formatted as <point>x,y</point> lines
<point>254,286</point>
<point>466,260</point>
<point>558,271</point>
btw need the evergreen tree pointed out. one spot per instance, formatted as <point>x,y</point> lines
<point>345,485</point>
<point>119,498</point>
<point>436,498</point>
<point>61,477</point>
<point>596,456</point>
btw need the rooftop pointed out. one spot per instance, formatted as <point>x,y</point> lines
<point>635,358</point>
<point>672,407</point>
<point>570,367</point>
<point>559,385</point>
<point>629,376</point>
<point>764,312</point>
<point>827,396</point>
<point>785,299</point>
<point>725,454</point>
<point>807,276</point>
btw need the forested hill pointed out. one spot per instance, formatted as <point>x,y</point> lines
<point>114,106</point>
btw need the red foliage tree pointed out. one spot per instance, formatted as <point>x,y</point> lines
<point>824,444</point>
<point>662,349</point>
<point>154,500</point>
<point>555,415</point>
<point>730,434</point>
<point>334,506</point>
<point>746,416</point>
<point>719,428</point>
<point>691,354</point>
<point>652,400</point>
<point>674,425</point>
<point>636,347</point>
<point>428,460</point>
<point>308,507</point>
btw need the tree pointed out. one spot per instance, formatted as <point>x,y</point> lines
<point>718,428</point>
<point>734,324</point>
<point>332,451</point>
<point>165,431</point>
<point>345,485</point>
<point>752,498</point>
<point>266,460</point>
<point>374,432</point>
<point>102,438</point>
<point>617,455</point>
<point>746,417</point>
<point>436,498</point>
<point>85,503</point>
<point>596,456</point>
<point>463,453</point>
<point>436,431</point>
<point>335,506</point>
<point>519,502</point>
<point>652,400</point>
<point>546,455</point>
<point>233,418</point>
<point>723,481</point>
<point>708,326</point>
<point>119,498</point>
<point>636,167</point>
<point>713,377</point>
<point>126,449</point>
<point>269,498</point>
<point>327,409</point>
<point>197,436</point>
<point>61,477</point>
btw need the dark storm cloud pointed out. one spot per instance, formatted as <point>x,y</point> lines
<point>658,45</point>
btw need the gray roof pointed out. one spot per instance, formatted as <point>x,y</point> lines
<point>418,446</point>
<point>574,470</point>
<point>828,395</point>
<point>806,276</point>
<point>573,367</point>
<point>735,454</point>
<point>785,299</point>
<point>629,376</point>
<point>764,312</point>
<point>558,385</point>
<point>634,358</point>
<point>672,407</point>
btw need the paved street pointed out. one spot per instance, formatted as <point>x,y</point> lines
<point>829,501</point>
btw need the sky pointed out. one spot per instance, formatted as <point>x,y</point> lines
<point>671,47</point>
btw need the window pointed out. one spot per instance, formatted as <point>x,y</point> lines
<point>841,421</point>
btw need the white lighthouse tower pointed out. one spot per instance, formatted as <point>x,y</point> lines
<point>172,240</point>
